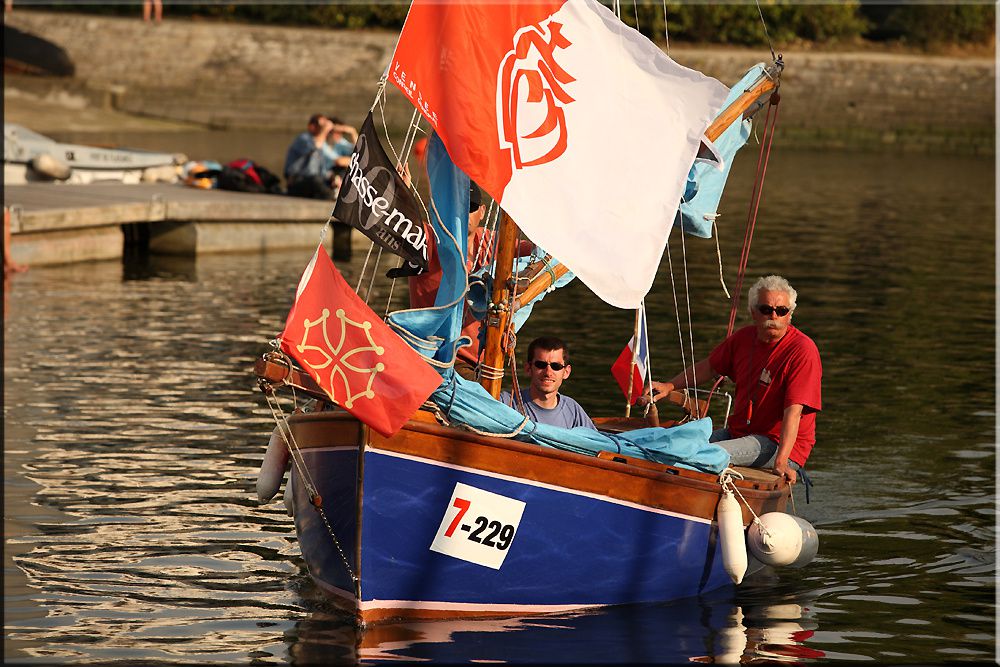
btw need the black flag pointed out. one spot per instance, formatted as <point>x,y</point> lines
<point>374,199</point>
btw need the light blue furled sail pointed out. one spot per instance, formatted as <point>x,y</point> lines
<point>706,181</point>
<point>685,446</point>
<point>435,331</point>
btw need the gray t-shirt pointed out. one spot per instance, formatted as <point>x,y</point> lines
<point>566,414</point>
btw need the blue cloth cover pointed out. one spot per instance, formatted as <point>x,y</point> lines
<point>434,332</point>
<point>707,180</point>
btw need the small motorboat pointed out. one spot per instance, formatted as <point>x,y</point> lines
<point>31,157</point>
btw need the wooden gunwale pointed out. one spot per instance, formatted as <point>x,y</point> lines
<point>643,483</point>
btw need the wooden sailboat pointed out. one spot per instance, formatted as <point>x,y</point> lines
<point>442,520</point>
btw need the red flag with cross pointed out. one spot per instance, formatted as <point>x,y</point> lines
<point>364,366</point>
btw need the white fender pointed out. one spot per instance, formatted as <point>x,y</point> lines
<point>290,496</point>
<point>731,538</point>
<point>272,468</point>
<point>51,167</point>
<point>780,539</point>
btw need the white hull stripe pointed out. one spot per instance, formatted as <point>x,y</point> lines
<point>541,485</point>
<point>371,605</point>
<point>474,607</point>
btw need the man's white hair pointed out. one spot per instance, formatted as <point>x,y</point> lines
<point>771,284</point>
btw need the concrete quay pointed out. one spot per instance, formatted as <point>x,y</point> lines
<point>230,75</point>
<point>54,223</point>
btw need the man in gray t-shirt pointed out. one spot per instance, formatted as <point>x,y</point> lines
<point>547,366</point>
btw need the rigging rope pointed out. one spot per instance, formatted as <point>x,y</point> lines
<point>767,140</point>
<point>371,283</point>
<point>718,254</point>
<point>666,27</point>
<point>755,198</point>
<point>766,35</point>
<point>677,311</point>
<point>687,297</point>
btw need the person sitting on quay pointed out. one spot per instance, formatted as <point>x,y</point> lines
<point>318,158</point>
<point>548,366</point>
<point>778,373</point>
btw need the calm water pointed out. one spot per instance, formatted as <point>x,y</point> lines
<point>133,432</point>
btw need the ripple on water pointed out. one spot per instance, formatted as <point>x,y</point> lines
<point>137,433</point>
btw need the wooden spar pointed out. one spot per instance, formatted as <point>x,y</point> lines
<point>498,315</point>
<point>280,373</point>
<point>541,283</point>
<point>766,84</point>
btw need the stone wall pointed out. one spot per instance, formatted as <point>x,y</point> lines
<point>231,75</point>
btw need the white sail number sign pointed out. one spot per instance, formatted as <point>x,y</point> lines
<point>478,526</point>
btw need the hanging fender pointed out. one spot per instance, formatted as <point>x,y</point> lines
<point>289,497</point>
<point>731,536</point>
<point>272,468</point>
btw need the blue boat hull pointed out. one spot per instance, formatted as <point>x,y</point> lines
<point>526,546</point>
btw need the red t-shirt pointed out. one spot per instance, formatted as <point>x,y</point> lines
<point>769,378</point>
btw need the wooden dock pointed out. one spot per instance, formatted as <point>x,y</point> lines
<point>55,223</point>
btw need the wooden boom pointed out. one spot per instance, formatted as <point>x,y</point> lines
<point>767,83</point>
<point>542,282</point>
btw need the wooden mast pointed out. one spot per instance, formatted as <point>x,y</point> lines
<point>498,313</point>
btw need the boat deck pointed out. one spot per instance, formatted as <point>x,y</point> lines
<point>56,223</point>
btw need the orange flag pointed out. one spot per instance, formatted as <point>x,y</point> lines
<point>363,365</point>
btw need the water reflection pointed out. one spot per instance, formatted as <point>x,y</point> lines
<point>133,433</point>
<point>711,630</point>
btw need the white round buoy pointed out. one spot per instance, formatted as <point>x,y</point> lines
<point>731,537</point>
<point>810,543</point>
<point>50,167</point>
<point>272,468</point>
<point>780,539</point>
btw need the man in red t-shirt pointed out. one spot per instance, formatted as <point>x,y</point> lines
<point>777,372</point>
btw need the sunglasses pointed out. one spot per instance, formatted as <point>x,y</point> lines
<point>765,309</point>
<point>542,365</point>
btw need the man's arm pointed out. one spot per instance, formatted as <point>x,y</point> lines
<point>349,131</point>
<point>700,371</point>
<point>789,432</point>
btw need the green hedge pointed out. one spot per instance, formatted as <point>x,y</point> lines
<point>737,24</point>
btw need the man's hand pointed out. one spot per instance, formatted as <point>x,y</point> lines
<point>660,389</point>
<point>786,470</point>
<point>404,173</point>
<point>343,128</point>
